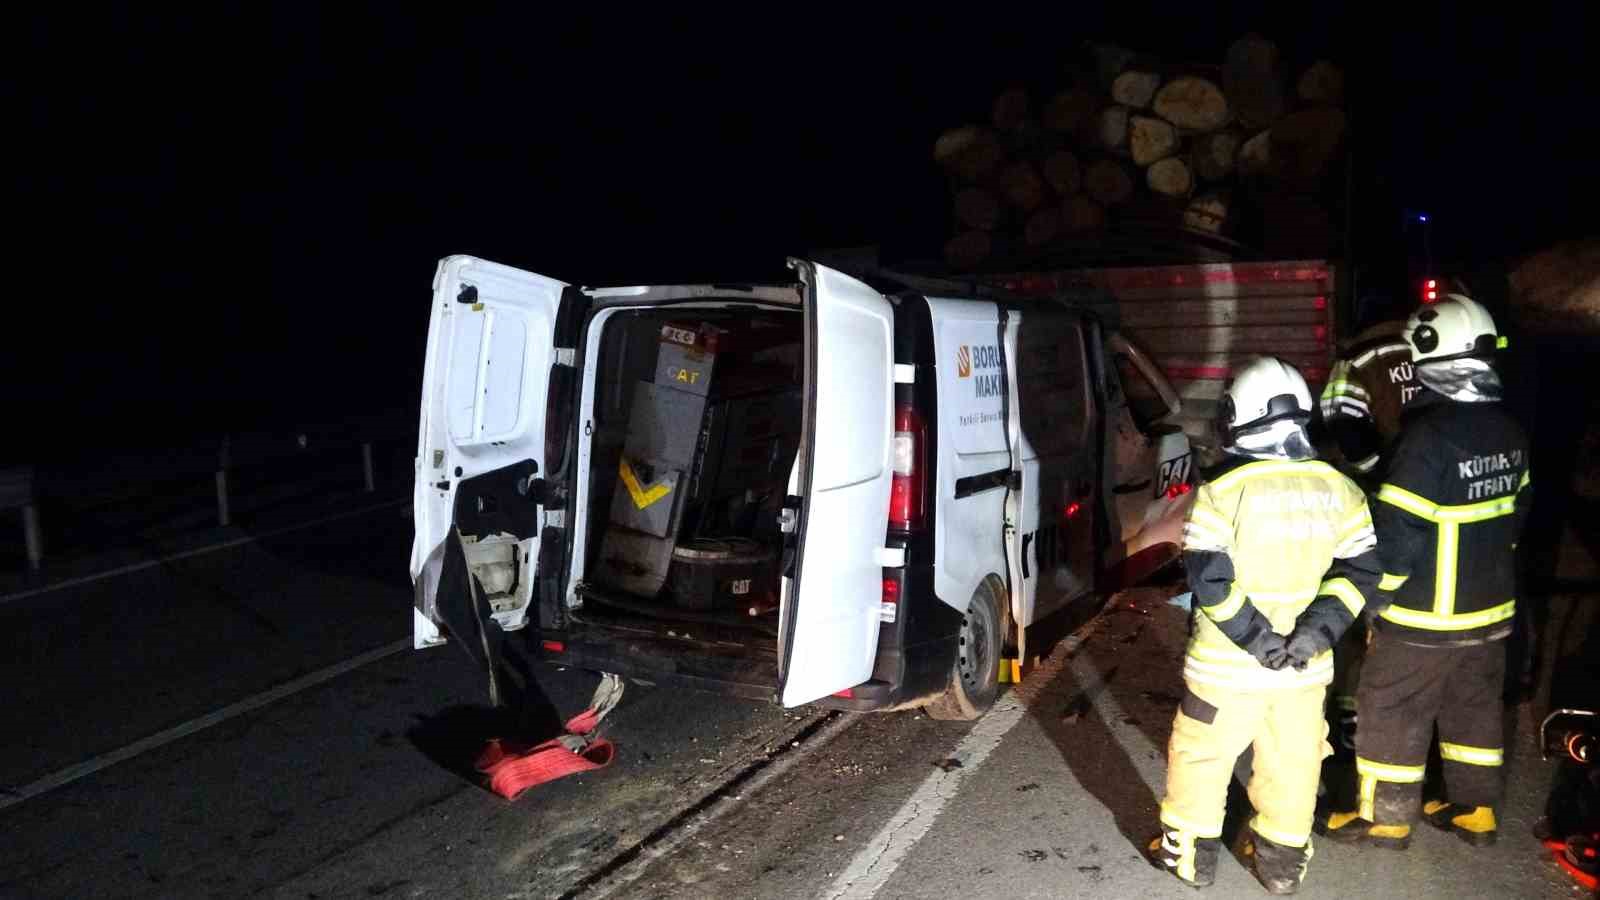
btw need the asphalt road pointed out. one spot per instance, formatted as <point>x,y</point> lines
<point>358,785</point>
<point>1056,801</point>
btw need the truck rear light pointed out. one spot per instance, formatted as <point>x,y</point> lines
<point>554,646</point>
<point>1072,509</point>
<point>908,489</point>
<point>891,590</point>
<point>1178,490</point>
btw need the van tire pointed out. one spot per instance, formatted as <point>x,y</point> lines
<point>975,673</point>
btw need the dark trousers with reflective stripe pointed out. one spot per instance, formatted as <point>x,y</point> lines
<point>1406,691</point>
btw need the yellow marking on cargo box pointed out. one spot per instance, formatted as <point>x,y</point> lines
<point>641,497</point>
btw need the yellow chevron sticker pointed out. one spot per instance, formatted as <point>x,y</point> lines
<point>641,497</point>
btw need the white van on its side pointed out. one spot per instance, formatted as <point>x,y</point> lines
<point>812,492</point>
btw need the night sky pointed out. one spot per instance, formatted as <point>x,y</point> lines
<point>233,224</point>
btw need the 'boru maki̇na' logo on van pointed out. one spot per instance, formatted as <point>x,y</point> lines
<point>984,359</point>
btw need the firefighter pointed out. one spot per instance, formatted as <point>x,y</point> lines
<point>1448,516</point>
<point>1369,385</point>
<point>1279,553</point>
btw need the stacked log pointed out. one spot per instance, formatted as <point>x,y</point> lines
<point>1557,290</point>
<point>1129,139</point>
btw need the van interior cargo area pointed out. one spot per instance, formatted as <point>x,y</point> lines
<point>696,426</point>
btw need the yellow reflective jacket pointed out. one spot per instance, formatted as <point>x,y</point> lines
<point>1268,537</point>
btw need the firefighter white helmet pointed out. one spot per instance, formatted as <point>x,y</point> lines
<point>1455,327</point>
<point>1265,409</point>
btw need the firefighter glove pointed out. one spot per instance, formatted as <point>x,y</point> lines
<point>1253,633</point>
<point>1317,629</point>
<point>1269,649</point>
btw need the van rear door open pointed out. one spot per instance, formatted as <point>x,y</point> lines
<point>830,604</point>
<point>480,446</point>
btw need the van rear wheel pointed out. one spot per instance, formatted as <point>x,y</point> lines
<point>975,675</point>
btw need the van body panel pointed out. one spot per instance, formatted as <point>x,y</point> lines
<point>969,494</point>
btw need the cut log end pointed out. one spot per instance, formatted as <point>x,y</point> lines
<point>1214,155</point>
<point>1112,130</point>
<point>1170,177</point>
<point>1208,213</point>
<point>1255,155</point>
<point>1135,88</point>
<point>1193,104</point>
<point>1151,139</point>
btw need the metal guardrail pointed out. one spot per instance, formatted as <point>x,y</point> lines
<point>19,486</point>
<point>16,492</point>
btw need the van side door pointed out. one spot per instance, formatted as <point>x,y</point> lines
<point>1060,422</point>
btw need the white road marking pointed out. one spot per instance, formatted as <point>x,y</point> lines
<point>209,548</point>
<point>876,862</point>
<point>1150,761</point>
<point>62,777</point>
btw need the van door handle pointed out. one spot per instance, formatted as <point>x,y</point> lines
<point>788,520</point>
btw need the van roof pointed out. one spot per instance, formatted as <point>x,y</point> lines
<point>788,294</point>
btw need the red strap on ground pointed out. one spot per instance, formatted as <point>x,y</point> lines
<point>1569,852</point>
<point>514,768</point>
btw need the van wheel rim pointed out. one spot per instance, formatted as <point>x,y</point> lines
<point>976,646</point>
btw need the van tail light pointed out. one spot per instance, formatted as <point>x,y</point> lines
<point>908,490</point>
<point>889,607</point>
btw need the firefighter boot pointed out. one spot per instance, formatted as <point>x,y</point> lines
<point>1350,828</point>
<point>1475,825</point>
<point>1191,860</point>
<point>1279,868</point>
